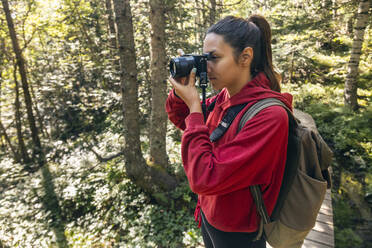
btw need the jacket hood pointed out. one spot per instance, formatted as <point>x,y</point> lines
<point>256,89</point>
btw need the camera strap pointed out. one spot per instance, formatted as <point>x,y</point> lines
<point>226,121</point>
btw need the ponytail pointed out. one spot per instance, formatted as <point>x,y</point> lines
<point>266,61</point>
<point>253,32</point>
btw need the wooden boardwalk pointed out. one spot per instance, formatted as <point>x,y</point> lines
<point>322,235</point>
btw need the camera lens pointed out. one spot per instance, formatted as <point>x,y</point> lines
<point>181,66</point>
<point>173,68</point>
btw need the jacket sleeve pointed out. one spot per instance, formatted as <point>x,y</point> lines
<point>177,109</point>
<point>249,159</point>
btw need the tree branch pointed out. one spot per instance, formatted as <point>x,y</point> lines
<point>229,5</point>
<point>105,159</point>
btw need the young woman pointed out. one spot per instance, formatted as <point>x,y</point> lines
<point>221,172</point>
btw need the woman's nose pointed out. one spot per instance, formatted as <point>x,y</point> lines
<point>209,66</point>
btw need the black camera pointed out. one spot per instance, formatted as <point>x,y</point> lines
<point>182,66</point>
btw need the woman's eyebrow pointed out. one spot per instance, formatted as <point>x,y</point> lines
<point>211,52</point>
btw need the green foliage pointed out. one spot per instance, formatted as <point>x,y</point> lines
<point>347,236</point>
<point>125,217</point>
<point>338,44</point>
<point>101,206</point>
<point>343,214</point>
<point>23,219</point>
<point>353,129</point>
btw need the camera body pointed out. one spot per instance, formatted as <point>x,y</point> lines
<point>182,66</point>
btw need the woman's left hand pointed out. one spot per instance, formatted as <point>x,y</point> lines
<point>188,92</point>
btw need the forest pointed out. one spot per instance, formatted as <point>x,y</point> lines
<point>88,157</point>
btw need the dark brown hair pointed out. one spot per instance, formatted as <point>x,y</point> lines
<point>253,32</point>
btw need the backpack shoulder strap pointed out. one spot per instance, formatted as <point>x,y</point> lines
<point>258,106</point>
<point>249,114</point>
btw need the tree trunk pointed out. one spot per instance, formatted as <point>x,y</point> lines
<point>158,70</point>
<point>21,144</point>
<point>351,87</point>
<point>334,9</point>
<point>201,22</point>
<point>2,144</point>
<point>7,139</point>
<point>150,179</point>
<point>198,18</point>
<point>350,25</point>
<point>50,200</point>
<point>204,23</point>
<point>111,23</point>
<point>40,118</point>
<point>212,20</point>
<point>22,70</point>
<point>212,12</point>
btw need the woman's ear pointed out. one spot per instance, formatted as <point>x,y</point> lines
<point>246,56</point>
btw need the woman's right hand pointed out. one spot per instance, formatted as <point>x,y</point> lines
<point>186,90</point>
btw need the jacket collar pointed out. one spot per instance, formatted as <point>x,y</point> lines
<point>256,89</point>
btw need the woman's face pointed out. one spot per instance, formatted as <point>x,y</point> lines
<point>223,69</point>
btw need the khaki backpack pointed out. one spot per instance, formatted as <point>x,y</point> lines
<point>304,184</point>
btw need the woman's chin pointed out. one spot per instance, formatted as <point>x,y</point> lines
<point>215,85</point>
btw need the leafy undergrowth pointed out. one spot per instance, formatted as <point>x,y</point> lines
<point>100,206</point>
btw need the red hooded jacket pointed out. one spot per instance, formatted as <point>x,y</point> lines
<point>221,172</point>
